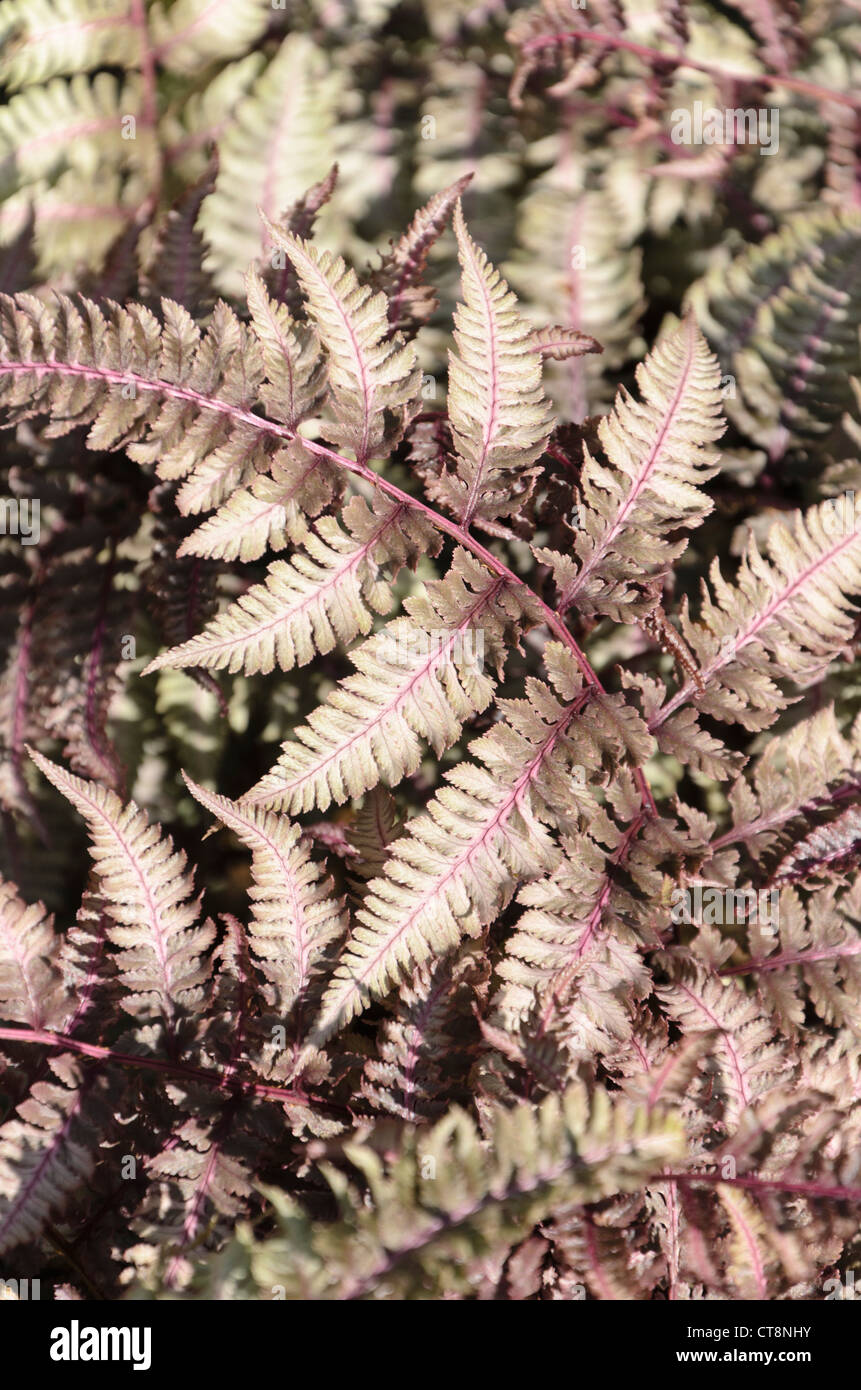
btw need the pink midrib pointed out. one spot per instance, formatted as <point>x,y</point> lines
<point>497,820</point>
<point>490,421</point>
<point>777,603</point>
<point>651,463</point>
<point>350,563</point>
<point>435,658</point>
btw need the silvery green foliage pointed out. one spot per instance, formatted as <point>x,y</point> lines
<point>430,751</point>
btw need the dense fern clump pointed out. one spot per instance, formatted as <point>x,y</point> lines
<point>430,749</point>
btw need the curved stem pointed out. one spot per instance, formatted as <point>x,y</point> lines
<point>206,1075</point>
<point>240,415</point>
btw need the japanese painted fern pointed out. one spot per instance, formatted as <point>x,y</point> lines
<point>430,768</point>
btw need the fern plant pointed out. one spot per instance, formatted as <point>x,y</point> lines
<point>430,752</point>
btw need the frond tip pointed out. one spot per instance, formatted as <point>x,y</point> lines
<point>500,418</point>
<point>658,455</point>
<point>372,375</point>
<point>295,919</point>
<point>148,895</point>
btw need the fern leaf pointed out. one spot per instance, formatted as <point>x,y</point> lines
<point>319,599</point>
<point>800,773</point>
<point>500,419</point>
<point>299,220</point>
<point>148,895</point>
<point>295,920</point>
<point>572,961</point>
<point>784,316</point>
<point>813,957</point>
<point>372,376</point>
<point>427,1043</point>
<point>459,862</point>
<point>829,848</point>
<point>747,1062</point>
<point>417,1236</point>
<point>787,617</point>
<point>777,27</point>
<point>561,343</point>
<point>73,123</point>
<point>294,368</point>
<point>420,678</point>
<point>47,38</point>
<point>175,270</point>
<point>398,276</point>
<point>188,35</point>
<point>47,1151</point>
<point>291,105</point>
<point>577,266</point>
<point>375,826</point>
<point>30,981</point>
<point>268,515</point>
<point>658,456</point>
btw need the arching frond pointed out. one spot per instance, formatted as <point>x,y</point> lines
<point>324,596</point>
<point>657,458</point>
<point>148,895</point>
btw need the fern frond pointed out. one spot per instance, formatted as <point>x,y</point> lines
<point>602,1251</point>
<point>813,955</point>
<point>420,678</point>
<point>148,895</point>
<point>75,122</point>
<point>175,270</point>
<point>196,1188</point>
<point>778,29</point>
<point>784,316</point>
<point>268,515</point>
<point>316,600</point>
<point>188,35</point>
<point>460,861</point>
<point>372,376</point>
<point>658,456</point>
<point>562,343</point>
<point>48,1151</point>
<point>805,771</point>
<point>47,38</point>
<point>419,1235</point>
<point>399,274</point>
<point>375,826</point>
<point>30,980</point>
<point>295,371</point>
<point>577,267</point>
<point>298,220</point>
<point>746,1061</point>
<point>829,848</point>
<point>572,966</point>
<point>423,1051</point>
<point>500,419</point>
<point>295,919</point>
<point>786,617</point>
